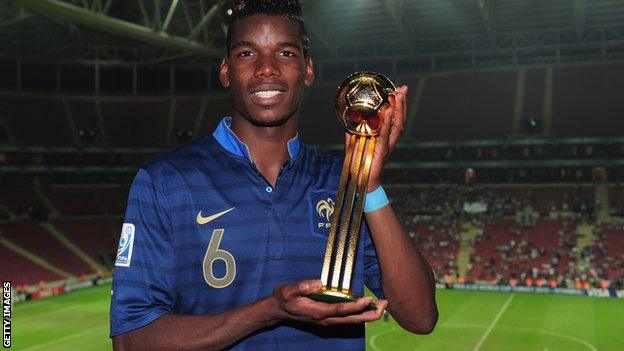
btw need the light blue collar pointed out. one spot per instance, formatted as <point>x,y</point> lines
<point>229,141</point>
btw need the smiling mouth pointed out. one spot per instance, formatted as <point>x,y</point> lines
<point>267,97</point>
<point>266,94</point>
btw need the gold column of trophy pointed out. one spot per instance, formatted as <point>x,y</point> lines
<point>361,102</point>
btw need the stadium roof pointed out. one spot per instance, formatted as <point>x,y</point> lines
<point>182,31</point>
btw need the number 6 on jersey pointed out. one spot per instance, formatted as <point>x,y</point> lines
<point>213,253</point>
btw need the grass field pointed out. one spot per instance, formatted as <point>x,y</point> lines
<point>468,321</point>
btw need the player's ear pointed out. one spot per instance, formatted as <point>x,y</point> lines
<point>309,71</point>
<point>224,73</point>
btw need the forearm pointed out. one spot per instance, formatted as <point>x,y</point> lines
<point>407,279</point>
<point>208,332</point>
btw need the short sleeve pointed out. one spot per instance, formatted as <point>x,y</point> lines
<point>372,274</point>
<point>143,280</point>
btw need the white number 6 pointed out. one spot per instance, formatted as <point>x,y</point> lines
<point>213,253</point>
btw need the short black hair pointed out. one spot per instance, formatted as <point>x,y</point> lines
<point>290,9</point>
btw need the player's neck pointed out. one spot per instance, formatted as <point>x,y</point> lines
<point>268,146</point>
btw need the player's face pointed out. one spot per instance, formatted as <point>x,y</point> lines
<point>265,70</point>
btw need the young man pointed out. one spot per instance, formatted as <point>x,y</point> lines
<point>220,241</point>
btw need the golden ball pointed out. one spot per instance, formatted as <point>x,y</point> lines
<point>362,100</point>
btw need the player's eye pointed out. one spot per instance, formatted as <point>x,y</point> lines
<point>288,53</point>
<point>245,53</point>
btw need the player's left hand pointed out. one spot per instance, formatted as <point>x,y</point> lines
<point>392,125</point>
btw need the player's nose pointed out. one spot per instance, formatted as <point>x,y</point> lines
<point>267,66</point>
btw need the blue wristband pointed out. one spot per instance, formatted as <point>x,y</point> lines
<point>375,200</point>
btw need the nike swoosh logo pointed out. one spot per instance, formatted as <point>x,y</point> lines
<point>204,220</point>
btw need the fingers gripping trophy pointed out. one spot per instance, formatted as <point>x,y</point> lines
<point>361,102</point>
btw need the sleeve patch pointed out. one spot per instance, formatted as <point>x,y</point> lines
<point>126,241</point>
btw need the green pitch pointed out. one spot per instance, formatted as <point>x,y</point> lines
<point>468,321</point>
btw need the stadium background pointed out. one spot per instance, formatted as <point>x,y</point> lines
<point>510,166</point>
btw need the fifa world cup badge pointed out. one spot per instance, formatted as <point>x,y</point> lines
<point>126,242</point>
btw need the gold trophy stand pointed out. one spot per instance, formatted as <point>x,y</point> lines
<point>361,101</point>
<point>340,255</point>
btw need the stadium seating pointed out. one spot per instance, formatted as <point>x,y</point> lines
<point>483,262</point>
<point>88,199</point>
<point>439,244</point>
<point>74,200</point>
<point>122,120</point>
<point>614,243</point>
<point>563,198</point>
<point>52,126</point>
<point>85,117</point>
<point>31,236</point>
<point>93,236</point>
<point>21,199</point>
<point>500,199</point>
<point>616,199</point>
<point>19,270</point>
<point>112,199</point>
<point>506,250</point>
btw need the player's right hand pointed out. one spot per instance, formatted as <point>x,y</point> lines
<point>293,304</point>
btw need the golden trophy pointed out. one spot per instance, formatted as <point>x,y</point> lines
<point>361,102</point>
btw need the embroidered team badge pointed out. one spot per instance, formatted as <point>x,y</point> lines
<point>126,242</point>
<point>325,208</point>
<point>322,208</point>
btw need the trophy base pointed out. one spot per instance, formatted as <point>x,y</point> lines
<point>331,296</point>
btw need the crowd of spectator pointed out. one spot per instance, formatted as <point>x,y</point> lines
<point>438,239</point>
<point>496,202</point>
<point>449,201</point>
<point>520,260</point>
<point>522,252</point>
<point>604,259</point>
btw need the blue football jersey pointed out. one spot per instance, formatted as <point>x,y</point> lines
<point>205,233</point>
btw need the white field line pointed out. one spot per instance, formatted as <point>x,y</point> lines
<point>373,341</point>
<point>65,338</point>
<point>493,324</point>
<point>563,336</point>
<point>528,330</point>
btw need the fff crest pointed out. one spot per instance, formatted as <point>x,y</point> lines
<point>322,207</point>
<point>325,208</point>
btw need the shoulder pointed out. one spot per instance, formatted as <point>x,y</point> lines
<point>163,166</point>
<point>178,158</point>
